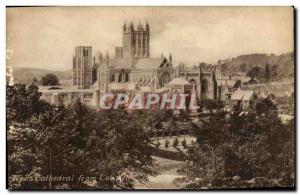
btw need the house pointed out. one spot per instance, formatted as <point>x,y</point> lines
<point>245,97</point>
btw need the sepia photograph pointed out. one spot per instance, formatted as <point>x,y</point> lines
<point>150,98</point>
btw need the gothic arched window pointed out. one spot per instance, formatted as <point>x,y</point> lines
<point>120,78</point>
<point>126,77</point>
<point>112,78</point>
<point>164,79</point>
<point>204,86</point>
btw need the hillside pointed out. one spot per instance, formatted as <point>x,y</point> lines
<point>26,75</point>
<point>284,63</point>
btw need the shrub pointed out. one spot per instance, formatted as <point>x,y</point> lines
<point>175,142</point>
<point>167,142</point>
<point>157,144</point>
<point>193,142</point>
<point>184,143</point>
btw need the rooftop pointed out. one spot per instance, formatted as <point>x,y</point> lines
<point>138,63</point>
<point>242,95</point>
<point>122,86</point>
<point>62,89</point>
<point>179,81</point>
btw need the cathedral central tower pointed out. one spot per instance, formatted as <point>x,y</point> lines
<point>136,41</point>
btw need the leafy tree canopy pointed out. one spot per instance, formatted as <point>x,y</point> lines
<point>50,80</point>
<point>73,141</point>
<point>241,149</point>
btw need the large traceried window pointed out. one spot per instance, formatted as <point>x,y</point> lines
<point>164,79</point>
<point>126,77</point>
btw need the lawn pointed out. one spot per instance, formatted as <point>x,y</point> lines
<point>167,170</point>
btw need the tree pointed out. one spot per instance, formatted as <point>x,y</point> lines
<point>21,102</point>
<point>151,118</point>
<point>264,106</point>
<point>22,158</point>
<point>241,150</point>
<point>175,142</point>
<point>184,144</point>
<point>50,80</point>
<point>274,72</point>
<point>267,73</point>
<point>126,151</point>
<point>24,147</point>
<point>183,116</point>
<point>35,81</point>
<point>77,141</point>
<point>237,84</point>
<point>167,142</point>
<point>256,72</point>
<point>157,144</point>
<point>32,81</point>
<point>212,104</point>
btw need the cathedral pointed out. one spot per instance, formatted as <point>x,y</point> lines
<point>133,69</point>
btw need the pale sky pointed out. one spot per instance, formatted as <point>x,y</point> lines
<point>46,37</point>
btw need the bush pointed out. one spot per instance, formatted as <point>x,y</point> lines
<point>50,80</point>
<point>175,142</point>
<point>167,142</point>
<point>212,104</point>
<point>184,143</point>
<point>157,144</point>
<point>193,142</point>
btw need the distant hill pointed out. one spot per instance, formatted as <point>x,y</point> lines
<point>284,63</point>
<point>27,75</point>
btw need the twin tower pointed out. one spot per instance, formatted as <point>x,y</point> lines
<point>135,41</point>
